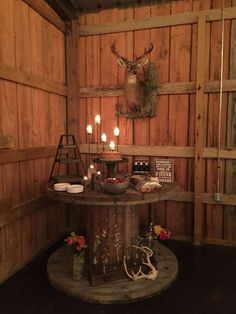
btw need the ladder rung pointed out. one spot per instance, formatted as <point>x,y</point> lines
<point>68,179</point>
<point>67,160</point>
<point>67,146</point>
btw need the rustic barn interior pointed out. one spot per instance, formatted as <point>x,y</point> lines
<point>57,72</point>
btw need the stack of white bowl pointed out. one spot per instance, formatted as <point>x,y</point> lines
<point>70,188</point>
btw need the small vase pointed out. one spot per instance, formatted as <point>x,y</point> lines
<point>78,265</point>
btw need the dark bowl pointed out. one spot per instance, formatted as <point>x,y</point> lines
<point>115,188</point>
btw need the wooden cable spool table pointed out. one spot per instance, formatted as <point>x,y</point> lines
<point>112,227</point>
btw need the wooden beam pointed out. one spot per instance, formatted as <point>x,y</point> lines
<point>219,242</point>
<point>229,200</point>
<point>163,151</point>
<point>199,131</point>
<point>206,198</point>
<point>145,150</point>
<point>24,209</point>
<point>22,77</point>
<point>60,7</point>
<point>41,7</point>
<point>211,152</point>
<point>183,196</point>
<point>214,86</point>
<point>156,22</point>
<point>6,141</point>
<point>106,91</point>
<point>162,89</point>
<point>7,156</point>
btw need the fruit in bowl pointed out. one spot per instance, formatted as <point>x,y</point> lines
<point>115,185</point>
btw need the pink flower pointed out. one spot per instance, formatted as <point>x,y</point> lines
<point>76,241</point>
<point>164,234</point>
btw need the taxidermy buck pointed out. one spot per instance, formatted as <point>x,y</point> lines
<point>140,95</point>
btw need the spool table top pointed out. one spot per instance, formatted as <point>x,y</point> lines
<point>130,197</point>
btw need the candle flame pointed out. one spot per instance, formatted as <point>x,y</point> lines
<point>89,129</point>
<point>98,119</point>
<point>116,131</point>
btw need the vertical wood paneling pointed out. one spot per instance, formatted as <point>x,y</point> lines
<point>93,77</point>
<point>2,244</point>
<point>7,47</point>
<point>36,39</point>
<point>175,55</point>
<point>8,112</point>
<point>159,124</point>
<point>82,103</point>
<point>179,109</point>
<point>124,44</point>
<point>56,118</point>
<point>22,36</point>
<point>34,118</point>
<point>230,174</point>
<point>214,213</point>
<point>28,239</point>
<point>108,75</point>
<point>11,184</point>
<point>142,126</point>
<point>199,73</point>
<point>13,242</point>
<point>199,131</point>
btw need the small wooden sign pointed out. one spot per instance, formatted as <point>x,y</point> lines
<point>164,170</point>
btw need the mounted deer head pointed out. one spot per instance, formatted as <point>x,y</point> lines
<point>134,89</point>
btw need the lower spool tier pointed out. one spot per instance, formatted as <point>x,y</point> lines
<point>59,270</point>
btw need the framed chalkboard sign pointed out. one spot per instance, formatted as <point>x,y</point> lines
<point>164,169</point>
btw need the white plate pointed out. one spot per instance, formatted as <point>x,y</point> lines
<point>76,188</point>
<point>61,186</point>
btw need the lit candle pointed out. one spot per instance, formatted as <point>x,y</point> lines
<point>104,137</point>
<point>91,171</point>
<point>112,145</point>
<point>89,129</point>
<point>86,183</point>
<point>98,119</point>
<point>116,131</point>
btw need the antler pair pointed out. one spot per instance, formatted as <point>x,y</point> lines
<point>140,274</point>
<point>146,52</point>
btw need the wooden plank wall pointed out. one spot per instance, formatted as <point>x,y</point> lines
<point>32,50</point>
<point>172,132</point>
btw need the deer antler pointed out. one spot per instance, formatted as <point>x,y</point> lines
<point>146,52</point>
<point>140,275</point>
<point>114,51</point>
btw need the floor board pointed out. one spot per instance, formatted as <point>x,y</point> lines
<point>206,284</point>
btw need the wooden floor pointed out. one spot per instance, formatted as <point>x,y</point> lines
<point>206,284</point>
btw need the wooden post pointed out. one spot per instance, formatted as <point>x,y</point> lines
<point>199,131</point>
<point>229,213</point>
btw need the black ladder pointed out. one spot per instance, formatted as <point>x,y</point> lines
<point>67,154</point>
